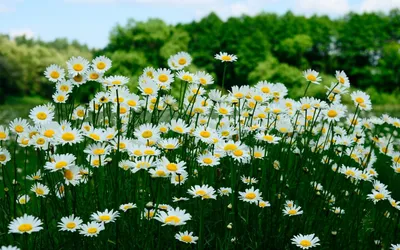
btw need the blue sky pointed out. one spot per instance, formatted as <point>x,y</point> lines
<point>90,21</point>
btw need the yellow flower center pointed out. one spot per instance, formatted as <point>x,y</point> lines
<point>41,116</point>
<point>360,100</point>
<point>68,136</point>
<point>64,88</point>
<point>200,192</point>
<point>226,58</point>
<point>26,227</point>
<point>172,167</point>
<point>61,164</point>
<point>19,129</point>
<point>99,151</point>
<point>205,134</point>
<point>179,129</point>
<point>149,152</point>
<point>292,212</point>
<point>163,78</point>
<point>150,74</point>
<point>49,133</point>
<point>92,230</point>
<point>104,217</point>
<point>80,113</point>
<point>3,157</point>
<point>40,141</point>
<point>68,174</point>
<point>116,82</point>
<point>186,238</point>
<point>60,98</point>
<point>305,106</point>
<point>54,74</point>
<point>207,160</point>
<point>238,152</point>
<point>3,135</point>
<point>269,138</point>
<point>203,81</point>
<point>94,76</point>
<point>182,61</point>
<point>179,178</point>
<point>147,134</point>
<point>223,111</point>
<point>77,67</point>
<point>39,191</point>
<point>172,218</point>
<point>257,154</point>
<point>350,172</point>
<point>257,98</point>
<point>265,90</point>
<point>311,78</point>
<point>250,196</point>
<point>101,65</point>
<point>160,173</point>
<point>132,103</point>
<point>305,243</point>
<point>379,196</point>
<point>230,147</point>
<point>70,225</point>
<point>332,113</point>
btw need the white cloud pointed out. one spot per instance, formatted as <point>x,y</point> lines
<point>20,32</point>
<point>379,5</point>
<point>160,2</point>
<point>330,7</point>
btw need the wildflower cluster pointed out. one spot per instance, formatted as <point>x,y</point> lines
<point>163,165</point>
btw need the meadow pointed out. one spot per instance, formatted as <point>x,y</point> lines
<point>179,163</point>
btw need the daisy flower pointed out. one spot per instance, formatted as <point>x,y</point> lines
<point>60,97</point>
<point>178,178</point>
<point>250,195</point>
<point>312,76</point>
<point>72,176</point>
<point>98,149</point>
<point>171,167</point>
<point>60,161</point>
<point>380,195</point>
<point>54,73</point>
<point>25,224</point>
<point>179,126</point>
<point>23,199</point>
<point>69,136</point>
<point>117,80</point>
<point>127,206</point>
<point>42,114</point>
<point>186,76</point>
<point>40,190</point>
<point>204,78</point>
<point>204,191</point>
<point>208,160</point>
<point>225,57</point>
<point>263,204</point>
<point>106,216</point>
<point>77,65</point>
<point>147,132</point>
<point>9,248</point>
<point>174,217</point>
<point>70,223</point>
<point>292,210</point>
<point>395,247</point>
<point>35,176</point>
<point>182,59</point>
<point>163,77</point>
<point>270,139</point>
<point>224,191</point>
<point>361,99</point>
<point>4,156</point>
<point>19,125</point>
<point>101,64</point>
<point>342,78</point>
<point>169,144</point>
<point>305,241</point>
<point>186,237</point>
<point>4,133</point>
<point>93,75</point>
<point>91,229</point>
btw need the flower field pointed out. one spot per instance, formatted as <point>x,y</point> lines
<point>179,163</point>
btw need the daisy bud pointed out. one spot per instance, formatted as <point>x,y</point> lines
<point>149,205</point>
<point>229,226</point>
<point>230,206</point>
<point>334,232</point>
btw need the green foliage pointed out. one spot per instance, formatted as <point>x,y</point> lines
<point>269,47</point>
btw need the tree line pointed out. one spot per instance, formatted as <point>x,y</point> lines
<point>269,46</point>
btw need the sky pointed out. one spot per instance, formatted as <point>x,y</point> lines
<point>90,21</point>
